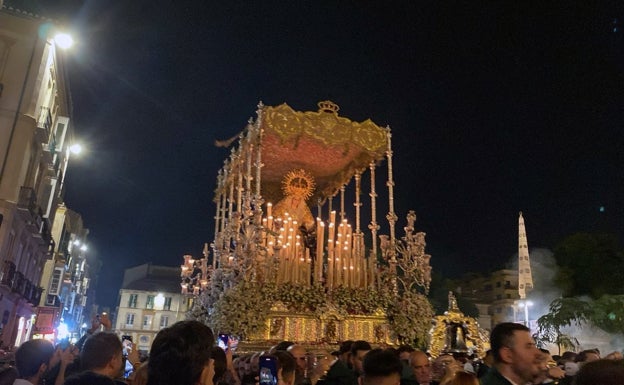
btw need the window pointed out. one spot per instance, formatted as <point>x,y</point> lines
<point>147,321</point>
<point>129,319</point>
<point>164,321</point>
<point>149,304</point>
<point>167,305</point>
<point>132,301</point>
<point>508,296</point>
<point>498,284</point>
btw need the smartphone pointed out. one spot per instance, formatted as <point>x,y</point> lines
<point>126,337</point>
<point>223,341</point>
<point>64,344</point>
<point>268,370</point>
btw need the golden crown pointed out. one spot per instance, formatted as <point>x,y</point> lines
<point>328,106</point>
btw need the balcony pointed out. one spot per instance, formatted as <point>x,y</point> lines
<point>27,200</point>
<point>45,231</point>
<point>18,283</point>
<point>7,276</point>
<point>35,295</point>
<point>27,292</point>
<point>45,121</point>
<point>32,214</point>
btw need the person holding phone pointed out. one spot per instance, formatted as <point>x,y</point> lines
<point>277,369</point>
<point>101,360</point>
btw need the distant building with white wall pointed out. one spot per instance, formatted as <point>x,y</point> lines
<point>495,296</point>
<point>149,300</point>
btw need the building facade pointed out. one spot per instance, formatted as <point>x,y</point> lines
<point>495,296</point>
<point>149,300</point>
<point>35,137</point>
<point>68,279</point>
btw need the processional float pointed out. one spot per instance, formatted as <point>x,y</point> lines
<point>291,258</point>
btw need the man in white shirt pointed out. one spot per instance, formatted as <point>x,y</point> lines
<point>32,359</point>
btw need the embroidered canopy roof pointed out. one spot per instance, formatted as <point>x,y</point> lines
<point>330,147</point>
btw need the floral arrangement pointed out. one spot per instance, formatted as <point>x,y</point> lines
<point>244,309</point>
<point>359,301</point>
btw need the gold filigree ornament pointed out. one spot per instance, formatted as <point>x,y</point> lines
<point>298,183</point>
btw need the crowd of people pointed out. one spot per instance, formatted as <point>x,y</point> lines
<point>186,354</point>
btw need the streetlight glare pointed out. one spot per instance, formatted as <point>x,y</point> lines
<point>75,149</point>
<point>64,40</point>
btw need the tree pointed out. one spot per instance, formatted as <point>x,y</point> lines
<point>590,264</point>
<point>606,313</point>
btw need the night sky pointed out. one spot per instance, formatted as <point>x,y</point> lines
<point>495,108</point>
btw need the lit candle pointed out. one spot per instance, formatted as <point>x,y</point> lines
<point>331,254</point>
<point>320,234</point>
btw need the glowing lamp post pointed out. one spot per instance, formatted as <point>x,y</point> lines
<point>525,305</point>
<point>64,40</point>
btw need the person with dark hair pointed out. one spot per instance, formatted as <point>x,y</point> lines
<point>180,355</point>
<point>223,367</point>
<point>516,358</point>
<point>32,359</point>
<point>587,356</point>
<point>344,352</point>
<point>381,367</point>
<point>101,360</point>
<point>283,346</point>
<point>341,374</point>
<point>404,352</point>
<point>601,372</point>
<point>286,367</point>
<point>220,364</point>
<point>358,351</point>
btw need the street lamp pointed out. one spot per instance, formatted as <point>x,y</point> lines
<point>63,40</point>
<point>75,148</point>
<point>525,304</point>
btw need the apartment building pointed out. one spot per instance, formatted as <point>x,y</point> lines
<point>149,299</point>
<point>35,137</point>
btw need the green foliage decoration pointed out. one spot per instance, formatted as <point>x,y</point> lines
<point>359,300</point>
<point>410,318</point>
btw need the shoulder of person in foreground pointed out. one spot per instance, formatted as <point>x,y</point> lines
<point>88,378</point>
